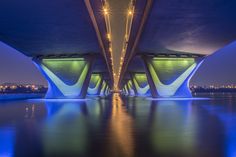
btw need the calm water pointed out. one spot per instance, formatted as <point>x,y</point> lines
<point>119,127</point>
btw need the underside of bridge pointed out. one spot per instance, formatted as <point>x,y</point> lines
<point>67,41</point>
<point>70,41</point>
<point>168,43</point>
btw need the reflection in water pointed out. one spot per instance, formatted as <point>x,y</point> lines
<point>65,130</point>
<point>127,127</point>
<point>121,140</point>
<point>6,142</point>
<point>227,117</point>
<point>173,128</point>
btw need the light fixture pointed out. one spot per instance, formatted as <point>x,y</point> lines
<point>130,12</point>
<point>105,11</point>
<point>109,36</point>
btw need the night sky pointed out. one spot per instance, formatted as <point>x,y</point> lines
<point>17,68</point>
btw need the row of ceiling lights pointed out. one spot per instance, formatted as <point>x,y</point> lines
<point>106,12</point>
<point>130,13</point>
<point>129,20</point>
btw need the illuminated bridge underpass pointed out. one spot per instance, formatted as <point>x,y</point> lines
<point>164,44</point>
<point>67,41</point>
<point>169,40</point>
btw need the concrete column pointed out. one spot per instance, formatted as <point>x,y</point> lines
<point>134,88</point>
<point>95,84</point>
<point>170,76</point>
<point>141,84</point>
<point>103,88</point>
<point>68,78</point>
<point>126,90</point>
<point>130,88</point>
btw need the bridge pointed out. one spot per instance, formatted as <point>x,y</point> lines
<point>164,45</point>
<point>67,40</point>
<point>168,42</point>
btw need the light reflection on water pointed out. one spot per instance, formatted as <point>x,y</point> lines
<point>119,126</point>
<point>121,142</point>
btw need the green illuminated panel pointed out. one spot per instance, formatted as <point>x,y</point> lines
<point>103,88</point>
<point>59,72</point>
<point>66,69</point>
<point>130,87</point>
<point>126,89</point>
<point>141,84</point>
<point>169,69</point>
<point>175,69</point>
<point>107,90</point>
<point>94,84</point>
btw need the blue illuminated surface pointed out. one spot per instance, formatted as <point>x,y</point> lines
<point>95,84</point>
<point>7,142</point>
<point>176,72</point>
<point>102,92</point>
<point>203,126</point>
<point>57,74</point>
<point>141,84</point>
<point>176,99</point>
<point>57,100</point>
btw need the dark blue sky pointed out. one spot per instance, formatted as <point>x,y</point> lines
<point>218,68</point>
<point>16,67</point>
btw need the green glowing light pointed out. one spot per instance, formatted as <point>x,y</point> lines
<point>103,88</point>
<point>66,69</point>
<point>95,83</point>
<point>126,89</point>
<point>169,69</point>
<point>130,87</point>
<point>141,84</point>
<point>164,70</point>
<point>107,90</point>
<point>60,71</point>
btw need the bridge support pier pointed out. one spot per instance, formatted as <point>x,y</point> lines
<point>133,86</point>
<point>141,85</point>
<point>95,84</point>
<point>103,88</point>
<point>126,92</point>
<point>130,88</point>
<point>169,77</point>
<point>68,78</point>
<point>107,91</point>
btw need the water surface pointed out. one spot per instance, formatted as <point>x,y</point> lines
<point>119,127</point>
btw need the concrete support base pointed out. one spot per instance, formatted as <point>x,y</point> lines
<point>95,84</point>
<point>169,77</point>
<point>131,88</point>
<point>68,78</point>
<point>103,88</point>
<point>107,90</point>
<point>141,85</point>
